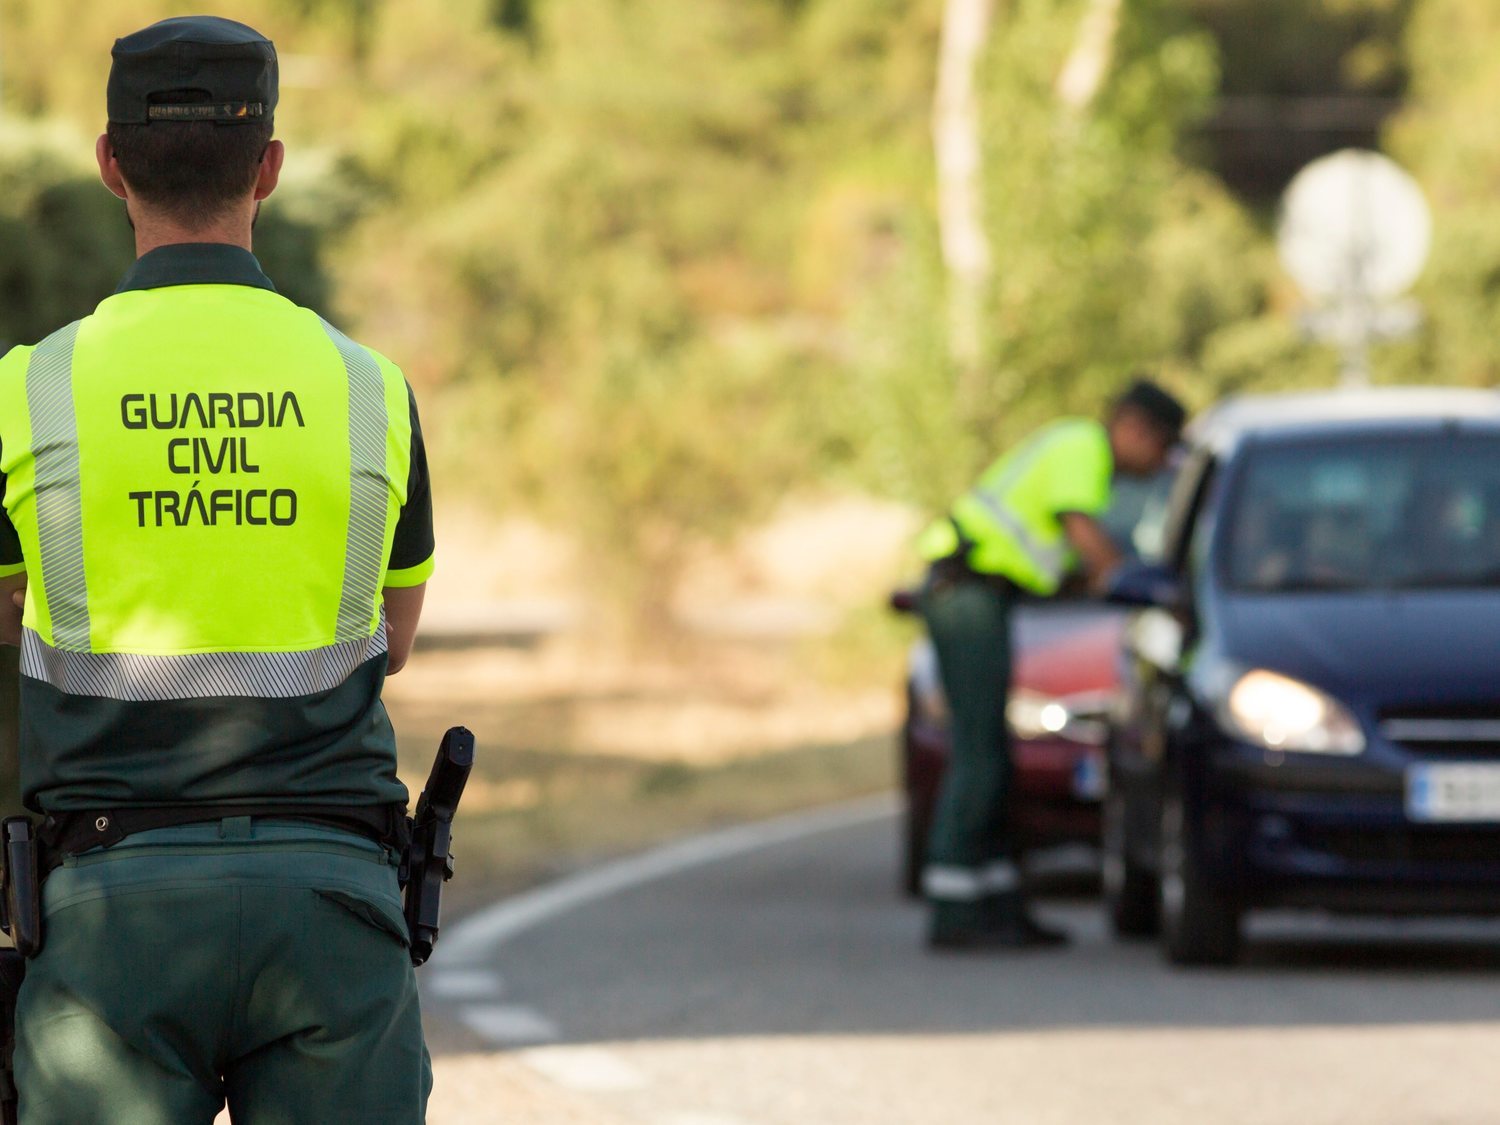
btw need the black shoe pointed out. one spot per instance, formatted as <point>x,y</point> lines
<point>1027,933</point>
<point>1021,931</point>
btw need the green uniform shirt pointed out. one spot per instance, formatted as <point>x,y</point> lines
<point>208,487</point>
<point>1012,519</point>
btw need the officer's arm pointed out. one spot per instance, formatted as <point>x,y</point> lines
<point>410,561</point>
<point>12,599</point>
<point>403,609</point>
<point>1094,547</point>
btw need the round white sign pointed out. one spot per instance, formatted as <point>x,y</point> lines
<point>1354,226</point>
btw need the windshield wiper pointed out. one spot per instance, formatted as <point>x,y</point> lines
<point>1484,580</point>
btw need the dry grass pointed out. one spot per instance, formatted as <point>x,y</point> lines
<point>584,752</point>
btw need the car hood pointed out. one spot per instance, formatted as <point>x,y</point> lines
<point>1427,647</point>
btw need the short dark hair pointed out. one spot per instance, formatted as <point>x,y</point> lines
<point>191,170</point>
<point>1156,405</point>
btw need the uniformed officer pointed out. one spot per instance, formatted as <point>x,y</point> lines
<point>1032,516</point>
<point>217,506</point>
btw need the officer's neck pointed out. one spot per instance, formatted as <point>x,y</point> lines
<point>153,231</point>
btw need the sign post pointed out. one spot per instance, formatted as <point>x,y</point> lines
<point>1355,234</point>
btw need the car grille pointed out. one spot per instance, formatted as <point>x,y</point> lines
<point>1459,733</point>
<point>1434,845</point>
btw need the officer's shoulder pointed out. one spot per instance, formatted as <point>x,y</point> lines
<point>14,358</point>
<point>1077,428</point>
<point>343,340</point>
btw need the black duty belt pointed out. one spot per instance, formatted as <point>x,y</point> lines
<point>72,833</point>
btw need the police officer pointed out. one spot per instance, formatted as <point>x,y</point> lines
<point>217,507</point>
<point>1032,515</point>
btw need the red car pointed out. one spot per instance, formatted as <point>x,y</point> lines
<point>1064,682</point>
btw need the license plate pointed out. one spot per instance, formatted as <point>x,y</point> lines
<point>1088,778</point>
<point>1453,793</point>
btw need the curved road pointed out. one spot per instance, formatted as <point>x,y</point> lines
<point>773,977</point>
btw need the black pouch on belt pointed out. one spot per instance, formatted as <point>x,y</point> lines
<point>23,885</point>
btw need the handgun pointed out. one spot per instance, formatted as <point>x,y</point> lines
<point>429,857</point>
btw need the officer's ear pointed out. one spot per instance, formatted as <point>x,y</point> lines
<point>109,167</point>
<point>270,170</point>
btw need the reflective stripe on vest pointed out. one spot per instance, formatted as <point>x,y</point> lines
<point>363,562</point>
<point>54,443</point>
<point>139,678</point>
<point>1010,516</point>
<point>69,662</point>
<point>1049,560</point>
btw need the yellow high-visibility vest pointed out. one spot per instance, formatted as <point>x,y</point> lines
<point>1011,518</point>
<point>205,483</point>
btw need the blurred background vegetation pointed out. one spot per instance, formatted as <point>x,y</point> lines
<point>655,266</point>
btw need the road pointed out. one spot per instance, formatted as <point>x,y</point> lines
<point>778,980</point>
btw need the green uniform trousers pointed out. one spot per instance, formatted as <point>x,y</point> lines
<point>263,963</point>
<point>969,871</point>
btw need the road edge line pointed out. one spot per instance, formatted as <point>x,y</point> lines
<point>471,938</point>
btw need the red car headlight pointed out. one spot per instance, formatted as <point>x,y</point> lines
<point>1076,718</point>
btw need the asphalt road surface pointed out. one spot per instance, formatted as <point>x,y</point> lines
<point>774,977</point>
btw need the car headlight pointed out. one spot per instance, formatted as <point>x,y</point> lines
<point>1034,715</point>
<point>1281,713</point>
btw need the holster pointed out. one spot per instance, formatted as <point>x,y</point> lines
<point>428,862</point>
<point>20,870</point>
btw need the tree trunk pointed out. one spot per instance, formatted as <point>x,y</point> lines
<point>1092,55</point>
<point>956,141</point>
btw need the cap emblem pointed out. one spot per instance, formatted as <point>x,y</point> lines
<point>207,111</point>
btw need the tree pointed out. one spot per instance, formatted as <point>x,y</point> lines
<point>1089,62</point>
<point>956,142</point>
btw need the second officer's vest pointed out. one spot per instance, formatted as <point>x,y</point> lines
<point>1011,518</point>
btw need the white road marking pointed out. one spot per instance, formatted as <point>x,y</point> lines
<point>473,940</point>
<point>591,1070</point>
<point>465,984</point>
<point>508,1024</point>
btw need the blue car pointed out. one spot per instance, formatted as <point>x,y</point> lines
<point>1310,713</point>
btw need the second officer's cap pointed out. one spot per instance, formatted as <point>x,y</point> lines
<point>193,68</point>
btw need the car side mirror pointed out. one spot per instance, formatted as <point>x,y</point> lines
<point>1148,585</point>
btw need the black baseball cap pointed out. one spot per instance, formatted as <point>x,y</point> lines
<point>1157,404</point>
<point>226,70</point>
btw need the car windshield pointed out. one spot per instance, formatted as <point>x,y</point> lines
<point>1402,512</point>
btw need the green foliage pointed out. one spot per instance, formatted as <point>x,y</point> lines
<point>1111,255</point>
<point>65,241</point>
<point>645,293</point>
<point>515,16</point>
<point>1450,138</point>
<point>1300,47</point>
<point>654,265</point>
